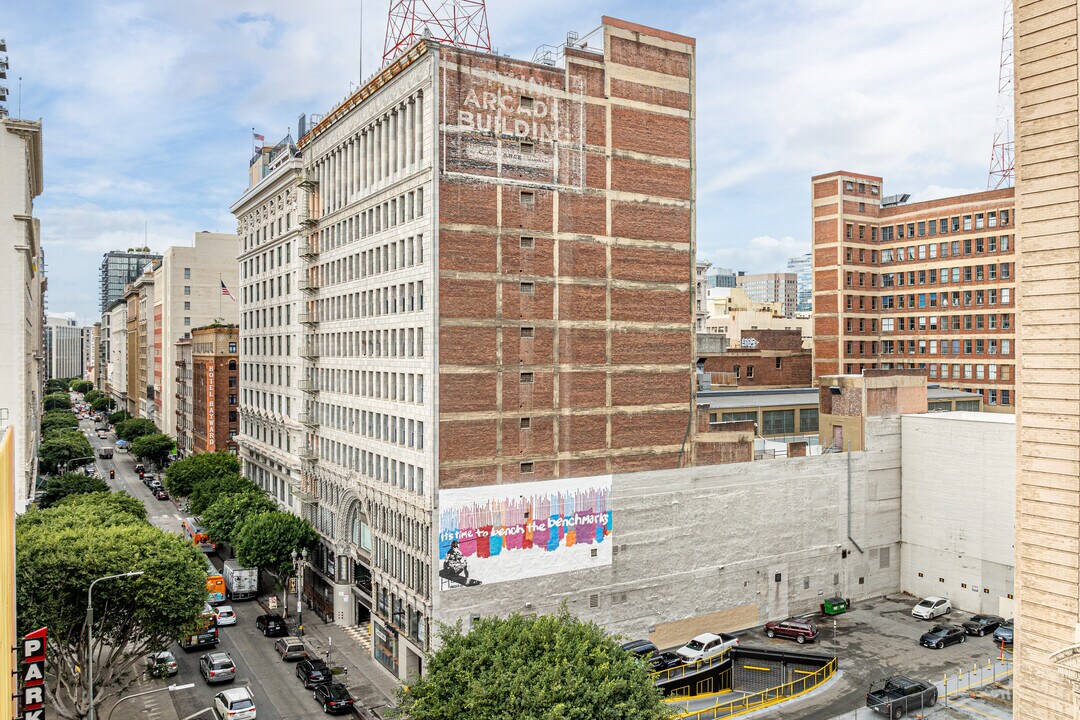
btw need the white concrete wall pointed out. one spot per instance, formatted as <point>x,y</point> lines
<point>959,505</point>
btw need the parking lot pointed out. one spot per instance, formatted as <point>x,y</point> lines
<point>876,639</point>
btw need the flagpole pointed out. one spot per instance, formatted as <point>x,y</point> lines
<point>221,283</point>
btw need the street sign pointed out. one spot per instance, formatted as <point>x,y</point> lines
<point>273,602</point>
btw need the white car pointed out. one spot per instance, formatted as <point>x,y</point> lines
<point>931,607</point>
<point>225,615</point>
<point>235,704</point>
<point>705,646</point>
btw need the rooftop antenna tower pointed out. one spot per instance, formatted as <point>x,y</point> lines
<point>1002,163</point>
<point>462,23</point>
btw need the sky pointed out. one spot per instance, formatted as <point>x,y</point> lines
<point>148,106</point>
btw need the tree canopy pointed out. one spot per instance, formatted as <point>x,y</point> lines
<point>182,475</point>
<point>57,401</point>
<point>59,487</point>
<point>85,537</point>
<point>135,427</point>
<point>547,667</point>
<point>82,386</point>
<point>156,448</point>
<point>119,416</point>
<point>102,404</point>
<point>58,420</point>
<point>57,385</point>
<point>267,540</point>
<point>207,491</point>
<point>228,512</point>
<point>60,447</point>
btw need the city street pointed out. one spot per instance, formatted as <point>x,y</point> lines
<point>278,693</point>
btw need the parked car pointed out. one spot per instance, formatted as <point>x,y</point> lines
<point>217,666</point>
<point>1004,633</point>
<point>941,635</point>
<point>648,652</point>
<point>334,697</point>
<point>155,485</point>
<point>640,648</point>
<point>290,648</point>
<point>149,479</point>
<point>161,494</point>
<point>931,607</point>
<point>982,624</point>
<point>271,625</point>
<point>226,615</point>
<point>235,704</point>
<point>899,695</point>
<point>162,664</point>
<point>801,631</point>
<point>705,646</point>
<point>139,467</point>
<point>312,672</point>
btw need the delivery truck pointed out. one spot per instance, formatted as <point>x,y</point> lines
<point>241,583</point>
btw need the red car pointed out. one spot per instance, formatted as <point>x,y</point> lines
<point>801,631</point>
<point>161,494</point>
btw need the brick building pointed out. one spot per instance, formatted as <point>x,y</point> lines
<point>763,358</point>
<point>927,285</point>
<point>214,388</point>
<point>496,261</point>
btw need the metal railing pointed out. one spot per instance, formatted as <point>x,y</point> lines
<point>765,698</point>
<point>678,671</point>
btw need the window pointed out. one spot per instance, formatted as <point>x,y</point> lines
<point>967,222</point>
<point>528,198</point>
<point>739,416</point>
<point>232,347</point>
<point>527,331</point>
<point>526,147</point>
<point>778,422</point>
<point>526,423</point>
<point>187,305</point>
<point>738,372</point>
<point>187,321</point>
<point>526,378</point>
<point>187,273</point>
<point>779,361</point>
<point>749,372</point>
<point>526,103</point>
<point>527,288</point>
<point>808,420</point>
<point>187,289</point>
<point>528,243</point>
<point>526,467</point>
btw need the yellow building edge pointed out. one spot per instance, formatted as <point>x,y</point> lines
<point>8,639</point>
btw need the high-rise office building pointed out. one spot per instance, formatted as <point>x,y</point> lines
<point>802,267</point>
<point>490,260</point>
<point>925,285</point>
<point>782,288</point>
<point>118,268</point>
<point>722,277</point>
<point>63,348</point>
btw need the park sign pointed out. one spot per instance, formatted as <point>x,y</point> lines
<point>32,676</point>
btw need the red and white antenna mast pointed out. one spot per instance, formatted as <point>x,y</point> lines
<point>462,23</point>
<point>1002,164</point>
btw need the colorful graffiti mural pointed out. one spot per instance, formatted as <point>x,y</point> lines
<point>496,533</point>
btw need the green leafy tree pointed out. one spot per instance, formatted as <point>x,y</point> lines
<point>228,512</point>
<point>102,404</point>
<point>182,475</point>
<point>119,416</point>
<point>58,420</point>
<point>82,386</point>
<point>57,385</point>
<point>59,487</point>
<point>548,667</point>
<point>155,448</point>
<point>57,401</point>
<point>59,552</point>
<point>206,492</point>
<point>60,447</point>
<point>135,427</point>
<point>92,395</point>
<point>266,540</point>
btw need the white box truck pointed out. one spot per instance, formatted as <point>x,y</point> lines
<point>241,583</point>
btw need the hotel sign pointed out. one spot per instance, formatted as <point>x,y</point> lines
<point>211,411</point>
<point>32,676</point>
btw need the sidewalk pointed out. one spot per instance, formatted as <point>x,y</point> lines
<point>370,683</point>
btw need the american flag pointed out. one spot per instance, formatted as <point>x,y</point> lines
<point>258,137</point>
<point>225,290</point>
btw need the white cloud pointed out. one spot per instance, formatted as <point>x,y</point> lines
<point>759,254</point>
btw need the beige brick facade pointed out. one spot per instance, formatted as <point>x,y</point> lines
<point>1048,422</point>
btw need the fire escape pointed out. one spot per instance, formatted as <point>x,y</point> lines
<point>310,210</point>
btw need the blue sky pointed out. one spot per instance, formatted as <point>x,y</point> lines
<point>148,106</point>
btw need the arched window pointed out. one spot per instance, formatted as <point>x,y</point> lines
<point>232,365</point>
<point>359,529</point>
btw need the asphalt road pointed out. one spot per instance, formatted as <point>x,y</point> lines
<point>278,693</point>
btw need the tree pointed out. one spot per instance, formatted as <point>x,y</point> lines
<point>135,427</point>
<point>182,475</point>
<point>82,386</point>
<point>267,540</point>
<point>57,401</point>
<point>221,519</point>
<point>58,420</point>
<point>59,552</point>
<point>155,448</point>
<point>532,668</point>
<point>57,385</point>
<point>118,417</point>
<point>102,404</point>
<point>59,487</point>
<point>207,491</point>
<point>60,447</point>
<point>92,395</point>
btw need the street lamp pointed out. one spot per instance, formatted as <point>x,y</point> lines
<point>170,688</point>
<point>299,589</point>
<point>90,633</point>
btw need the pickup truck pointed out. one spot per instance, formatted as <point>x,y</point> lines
<point>898,695</point>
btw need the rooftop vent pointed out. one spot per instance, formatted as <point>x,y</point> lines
<point>894,200</point>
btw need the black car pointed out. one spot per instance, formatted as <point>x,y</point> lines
<point>334,697</point>
<point>313,672</point>
<point>665,661</point>
<point>271,625</point>
<point>982,624</point>
<point>942,635</point>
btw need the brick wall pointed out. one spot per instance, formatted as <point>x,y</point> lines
<point>566,327</point>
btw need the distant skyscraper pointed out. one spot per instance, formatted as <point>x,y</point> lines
<point>118,268</point>
<point>63,348</point>
<point>801,266</point>
<point>772,288</point>
<point>721,277</point>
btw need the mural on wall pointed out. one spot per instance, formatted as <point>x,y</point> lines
<point>495,533</point>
